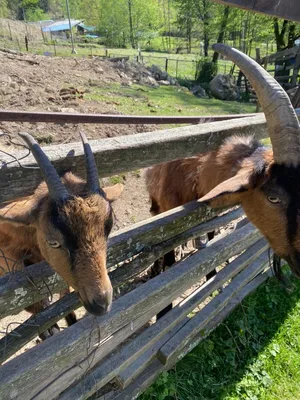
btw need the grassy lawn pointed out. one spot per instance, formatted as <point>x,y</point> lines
<point>164,100</point>
<point>253,355</point>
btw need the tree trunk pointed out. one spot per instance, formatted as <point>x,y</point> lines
<point>222,31</point>
<point>131,25</point>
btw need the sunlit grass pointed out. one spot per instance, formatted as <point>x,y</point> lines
<point>164,100</point>
<point>253,355</point>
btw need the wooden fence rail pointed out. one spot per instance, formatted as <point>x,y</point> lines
<point>124,153</point>
<point>121,346</point>
<point>61,360</point>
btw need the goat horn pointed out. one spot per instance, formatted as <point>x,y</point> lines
<point>55,186</point>
<point>92,177</point>
<point>282,122</point>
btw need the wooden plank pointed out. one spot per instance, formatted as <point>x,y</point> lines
<point>107,369</point>
<point>178,341</point>
<point>38,323</point>
<point>286,9</point>
<point>61,360</point>
<point>283,53</point>
<point>154,251</point>
<point>126,376</point>
<point>151,373</point>
<point>80,118</point>
<point>125,153</point>
<point>23,288</point>
<point>296,70</point>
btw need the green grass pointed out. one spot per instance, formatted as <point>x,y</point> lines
<point>164,100</point>
<point>253,355</point>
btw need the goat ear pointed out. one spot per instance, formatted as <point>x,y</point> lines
<point>113,192</point>
<point>18,213</point>
<point>235,185</point>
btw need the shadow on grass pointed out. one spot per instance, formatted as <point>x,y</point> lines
<point>214,369</point>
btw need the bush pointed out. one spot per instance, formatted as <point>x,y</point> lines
<point>206,71</point>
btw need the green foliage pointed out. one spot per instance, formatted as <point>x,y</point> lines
<point>3,9</point>
<point>206,71</point>
<point>253,355</point>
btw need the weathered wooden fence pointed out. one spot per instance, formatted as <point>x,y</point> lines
<point>118,355</point>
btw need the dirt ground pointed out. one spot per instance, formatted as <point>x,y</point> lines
<point>39,83</point>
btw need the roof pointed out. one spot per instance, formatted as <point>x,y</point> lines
<point>61,25</point>
<point>87,28</point>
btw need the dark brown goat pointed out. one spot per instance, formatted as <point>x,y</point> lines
<point>266,182</point>
<point>65,222</point>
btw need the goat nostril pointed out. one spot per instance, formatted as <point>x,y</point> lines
<point>98,308</point>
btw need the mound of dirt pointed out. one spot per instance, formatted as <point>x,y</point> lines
<point>39,83</point>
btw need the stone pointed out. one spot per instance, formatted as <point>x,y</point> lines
<point>223,87</point>
<point>198,91</point>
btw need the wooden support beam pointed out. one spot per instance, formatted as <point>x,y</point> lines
<point>67,355</point>
<point>124,153</point>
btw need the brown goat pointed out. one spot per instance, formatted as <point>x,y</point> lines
<point>65,222</point>
<point>265,181</point>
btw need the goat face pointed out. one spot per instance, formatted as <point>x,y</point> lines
<point>72,223</point>
<point>268,184</point>
<point>72,237</point>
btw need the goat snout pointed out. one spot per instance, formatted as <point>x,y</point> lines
<point>96,304</point>
<point>98,307</point>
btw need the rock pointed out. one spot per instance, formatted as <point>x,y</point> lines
<point>14,85</point>
<point>158,74</point>
<point>198,91</point>
<point>164,83</point>
<point>68,110</point>
<point>149,81</point>
<point>222,87</point>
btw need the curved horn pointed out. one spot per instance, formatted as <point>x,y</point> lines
<point>91,167</point>
<point>282,122</point>
<point>55,186</point>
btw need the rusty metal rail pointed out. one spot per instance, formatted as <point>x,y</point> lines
<point>77,118</point>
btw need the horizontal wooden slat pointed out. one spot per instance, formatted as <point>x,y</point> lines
<point>79,118</point>
<point>61,360</point>
<point>107,369</point>
<point>22,334</point>
<point>22,288</point>
<point>196,324</point>
<point>125,153</point>
<point>224,275</point>
<point>151,373</point>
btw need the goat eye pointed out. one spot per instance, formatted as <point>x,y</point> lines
<point>54,244</point>
<point>274,200</point>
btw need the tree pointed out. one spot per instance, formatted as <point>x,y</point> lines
<point>221,31</point>
<point>4,12</point>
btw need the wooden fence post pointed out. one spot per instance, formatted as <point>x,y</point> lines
<point>166,65</point>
